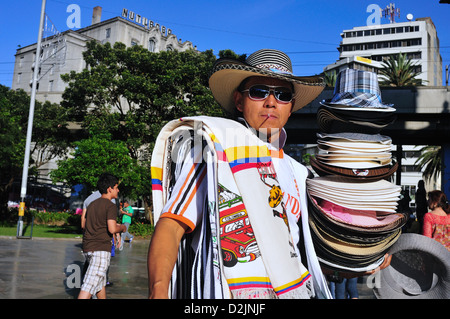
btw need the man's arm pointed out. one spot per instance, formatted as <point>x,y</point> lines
<point>349,275</point>
<point>162,255</point>
<point>113,227</point>
<point>83,218</point>
<point>126,212</point>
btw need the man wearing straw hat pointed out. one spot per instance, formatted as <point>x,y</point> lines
<point>227,200</point>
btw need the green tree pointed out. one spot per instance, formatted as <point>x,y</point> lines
<point>399,71</point>
<point>330,78</point>
<point>50,137</point>
<point>130,93</point>
<point>430,159</point>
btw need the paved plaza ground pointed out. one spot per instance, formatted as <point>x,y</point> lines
<point>51,268</point>
<point>40,268</point>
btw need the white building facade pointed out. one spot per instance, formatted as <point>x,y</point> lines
<point>366,47</point>
<point>63,53</point>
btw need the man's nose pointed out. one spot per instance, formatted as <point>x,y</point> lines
<point>270,100</point>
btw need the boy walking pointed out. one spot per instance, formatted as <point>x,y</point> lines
<point>127,212</point>
<point>100,226</point>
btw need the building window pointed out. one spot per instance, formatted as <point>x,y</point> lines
<point>50,86</point>
<point>152,45</point>
<point>19,77</point>
<point>108,33</point>
<point>134,42</point>
<point>169,48</point>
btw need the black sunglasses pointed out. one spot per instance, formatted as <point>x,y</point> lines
<point>260,92</point>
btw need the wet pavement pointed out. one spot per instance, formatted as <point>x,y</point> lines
<point>51,269</point>
<point>42,268</point>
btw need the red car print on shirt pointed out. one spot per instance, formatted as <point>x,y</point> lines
<point>237,238</point>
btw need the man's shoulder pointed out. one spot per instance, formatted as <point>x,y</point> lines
<point>299,169</point>
<point>102,202</point>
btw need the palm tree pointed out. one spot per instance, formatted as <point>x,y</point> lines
<point>399,71</point>
<point>330,78</point>
<point>430,158</point>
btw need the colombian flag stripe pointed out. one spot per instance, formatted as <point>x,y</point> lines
<point>156,178</point>
<point>249,282</point>
<point>292,285</point>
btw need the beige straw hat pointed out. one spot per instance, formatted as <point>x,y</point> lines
<point>227,75</point>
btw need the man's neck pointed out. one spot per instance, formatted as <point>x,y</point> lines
<point>107,196</point>
<point>275,137</point>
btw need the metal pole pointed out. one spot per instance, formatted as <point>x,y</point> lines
<point>23,190</point>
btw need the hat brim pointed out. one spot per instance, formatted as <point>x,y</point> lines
<point>361,223</point>
<point>227,75</point>
<point>351,107</point>
<point>371,174</point>
<point>426,276</point>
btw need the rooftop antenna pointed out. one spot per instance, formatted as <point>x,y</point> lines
<point>391,11</point>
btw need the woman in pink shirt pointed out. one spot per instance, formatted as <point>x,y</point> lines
<point>436,223</point>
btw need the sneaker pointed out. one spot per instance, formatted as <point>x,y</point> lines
<point>131,239</point>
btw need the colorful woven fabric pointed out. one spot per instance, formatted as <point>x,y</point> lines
<point>244,199</point>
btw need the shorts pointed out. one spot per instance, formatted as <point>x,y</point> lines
<point>95,277</point>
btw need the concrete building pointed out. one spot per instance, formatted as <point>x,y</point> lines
<point>63,52</point>
<point>367,46</point>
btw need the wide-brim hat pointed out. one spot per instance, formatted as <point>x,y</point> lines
<point>354,150</point>
<point>347,254</point>
<point>368,174</point>
<point>378,195</point>
<point>419,269</point>
<point>332,120</point>
<point>227,74</point>
<point>354,224</point>
<point>357,89</point>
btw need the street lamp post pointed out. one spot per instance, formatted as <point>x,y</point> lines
<point>23,189</point>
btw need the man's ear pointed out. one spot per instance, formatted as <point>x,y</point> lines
<point>238,100</point>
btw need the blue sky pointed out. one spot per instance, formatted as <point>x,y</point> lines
<point>309,31</point>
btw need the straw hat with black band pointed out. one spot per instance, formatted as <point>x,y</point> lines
<point>228,73</point>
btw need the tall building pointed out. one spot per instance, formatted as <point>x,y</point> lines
<point>366,47</point>
<point>63,52</point>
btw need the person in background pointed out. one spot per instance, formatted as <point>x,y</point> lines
<point>421,203</point>
<point>436,223</point>
<point>127,212</point>
<point>100,225</point>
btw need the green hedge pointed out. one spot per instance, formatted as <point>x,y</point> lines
<point>140,228</point>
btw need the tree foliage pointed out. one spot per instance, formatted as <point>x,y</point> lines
<point>430,159</point>
<point>399,71</point>
<point>50,136</point>
<point>127,94</point>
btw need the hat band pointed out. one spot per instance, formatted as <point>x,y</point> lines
<point>359,99</point>
<point>273,67</point>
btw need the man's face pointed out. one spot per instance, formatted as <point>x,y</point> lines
<point>114,191</point>
<point>268,113</point>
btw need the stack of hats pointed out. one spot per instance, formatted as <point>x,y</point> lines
<point>353,207</point>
